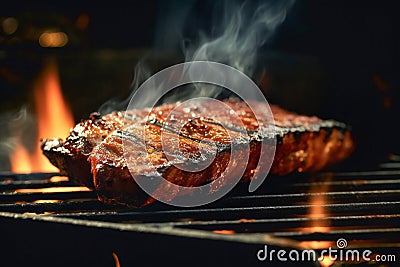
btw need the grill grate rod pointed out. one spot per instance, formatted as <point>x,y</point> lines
<point>31,197</point>
<point>336,220</point>
<point>256,200</point>
<point>363,207</point>
<point>241,212</point>
<point>6,175</point>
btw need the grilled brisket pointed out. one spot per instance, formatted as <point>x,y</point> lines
<point>98,150</point>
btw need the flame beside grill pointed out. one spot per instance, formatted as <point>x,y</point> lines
<point>54,119</point>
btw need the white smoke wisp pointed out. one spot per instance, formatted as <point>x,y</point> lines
<point>16,126</point>
<point>244,28</point>
<point>141,73</point>
<point>241,30</point>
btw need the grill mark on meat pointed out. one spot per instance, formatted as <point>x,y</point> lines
<point>229,127</point>
<point>220,146</point>
<point>127,136</point>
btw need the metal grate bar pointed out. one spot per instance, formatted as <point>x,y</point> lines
<point>362,206</point>
<point>241,212</point>
<point>30,197</point>
<point>34,184</point>
<point>7,176</point>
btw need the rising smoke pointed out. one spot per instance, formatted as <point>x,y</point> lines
<point>239,30</point>
<point>16,127</point>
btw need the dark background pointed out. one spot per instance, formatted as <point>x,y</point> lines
<point>333,59</point>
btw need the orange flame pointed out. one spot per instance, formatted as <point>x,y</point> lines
<point>116,259</point>
<point>54,119</point>
<point>318,210</point>
<point>20,159</point>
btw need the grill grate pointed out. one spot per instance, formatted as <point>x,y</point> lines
<point>303,212</point>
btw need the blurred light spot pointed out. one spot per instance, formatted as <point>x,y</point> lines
<point>57,179</point>
<point>384,88</point>
<point>53,39</point>
<point>82,21</point>
<point>326,262</point>
<point>9,25</point>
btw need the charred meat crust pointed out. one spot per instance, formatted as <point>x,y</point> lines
<point>93,153</point>
<point>71,155</point>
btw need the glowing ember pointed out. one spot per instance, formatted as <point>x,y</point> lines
<point>224,232</point>
<point>46,201</point>
<point>38,214</point>
<point>326,262</point>
<point>53,189</point>
<point>243,220</point>
<point>57,179</point>
<point>54,119</point>
<point>316,244</point>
